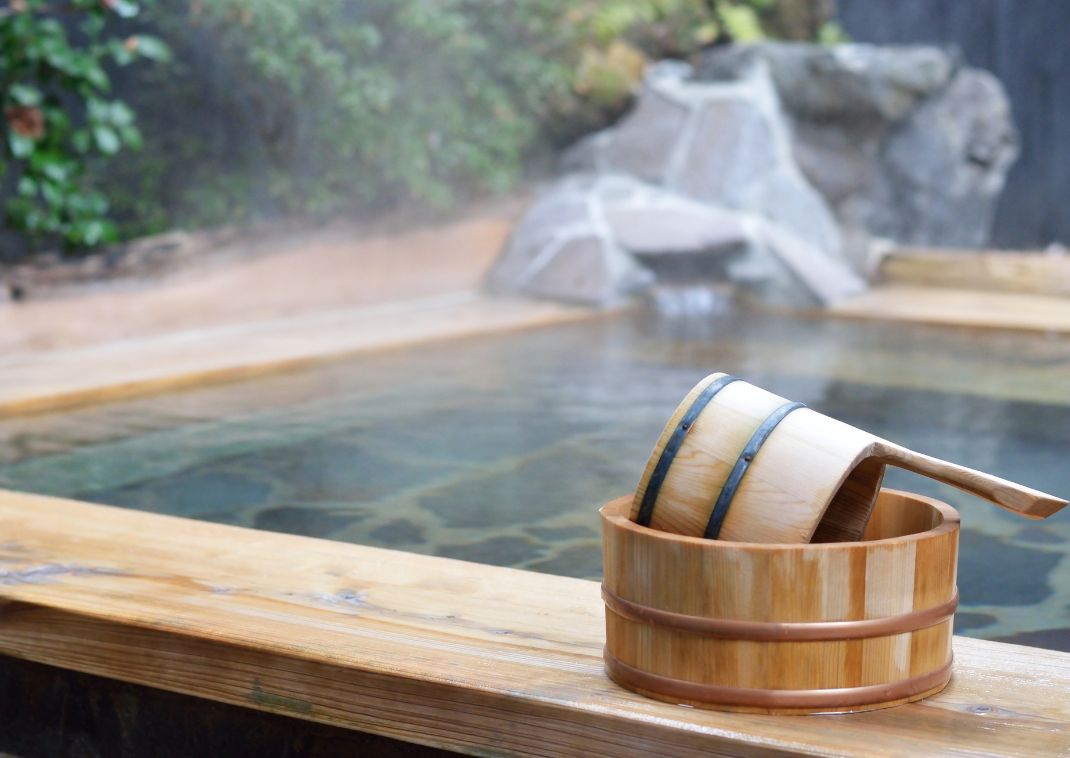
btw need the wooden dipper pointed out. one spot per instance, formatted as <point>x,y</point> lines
<point>736,462</point>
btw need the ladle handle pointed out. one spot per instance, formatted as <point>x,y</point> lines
<point>1016,498</point>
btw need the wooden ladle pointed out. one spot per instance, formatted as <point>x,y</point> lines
<point>739,463</point>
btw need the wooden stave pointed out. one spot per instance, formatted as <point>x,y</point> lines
<point>873,660</point>
<point>805,442</point>
<point>778,701</point>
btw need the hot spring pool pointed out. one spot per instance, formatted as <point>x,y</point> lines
<point>500,449</point>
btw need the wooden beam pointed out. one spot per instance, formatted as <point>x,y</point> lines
<point>51,380</point>
<point>1036,273</point>
<point>953,307</point>
<point>433,651</point>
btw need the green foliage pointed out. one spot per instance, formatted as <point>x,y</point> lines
<point>742,22</point>
<point>57,112</point>
<point>427,102</point>
<point>831,33</point>
<point>316,106</point>
<point>388,99</point>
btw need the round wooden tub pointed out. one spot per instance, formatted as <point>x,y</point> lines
<point>794,628</point>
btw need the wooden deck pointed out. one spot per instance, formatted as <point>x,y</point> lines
<point>433,651</point>
<point>973,288</point>
<point>955,307</point>
<point>1035,273</point>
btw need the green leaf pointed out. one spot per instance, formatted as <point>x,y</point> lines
<point>153,48</point>
<point>58,121</point>
<point>27,186</point>
<point>119,114</point>
<point>24,94</point>
<point>832,33</point>
<point>20,212</point>
<point>97,109</point>
<point>53,167</point>
<point>21,147</point>
<point>120,53</point>
<point>131,137</point>
<point>106,139</point>
<point>92,232</point>
<point>122,8</point>
<point>96,77</point>
<point>742,23</point>
<point>94,24</point>
<point>52,194</point>
<point>82,140</point>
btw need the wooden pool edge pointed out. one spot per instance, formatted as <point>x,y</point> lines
<point>63,379</point>
<point>429,650</point>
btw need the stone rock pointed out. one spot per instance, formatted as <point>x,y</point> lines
<point>901,142</point>
<point>643,144</point>
<point>583,269</point>
<point>579,239</point>
<point>594,239</point>
<point>947,165</point>
<point>718,143</point>
<point>842,81</point>
<point>650,222</point>
<point>792,271</point>
<point>781,166</point>
<point>561,249</point>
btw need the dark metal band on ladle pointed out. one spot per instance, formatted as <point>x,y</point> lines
<point>672,447</point>
<point>728,491</point>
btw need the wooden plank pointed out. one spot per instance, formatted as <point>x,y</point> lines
<point>434,651</point>
<point>66,378</point>
<point>298,270</point>
<point>987,271</point>
<point>953,307</point>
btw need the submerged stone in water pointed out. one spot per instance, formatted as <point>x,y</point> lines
<point>497,551</point>
<point>398,532</point>
<point>581,561</point>
<point>1022,578</point>
<point>307,521</point>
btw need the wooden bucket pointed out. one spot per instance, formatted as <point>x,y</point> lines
<point>736,462</point>
<point>791,628</point>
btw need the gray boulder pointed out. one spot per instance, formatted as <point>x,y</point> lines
<point>563,250</point>
<point>772,165</point>
<point>848,81</point>
<point>594,239</point>
<point>718,143</point>
<point>946,166</point>
<point>901,141</point>
<point>702,171</point>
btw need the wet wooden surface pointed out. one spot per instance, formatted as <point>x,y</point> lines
<point>1035,273</point>
<point>255,278</point>
<point>958,307</point>
<point>428,650</point>
<point>44,381</point>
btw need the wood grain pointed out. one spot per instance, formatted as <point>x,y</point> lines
<point>1035,273</point>
<point>52,380</point>
<point>440,652</point>
<point>813,479</point>
<point>955,307</point>
<point>1010,496</point>
<point>790,485</point>
<point>672,584</point>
